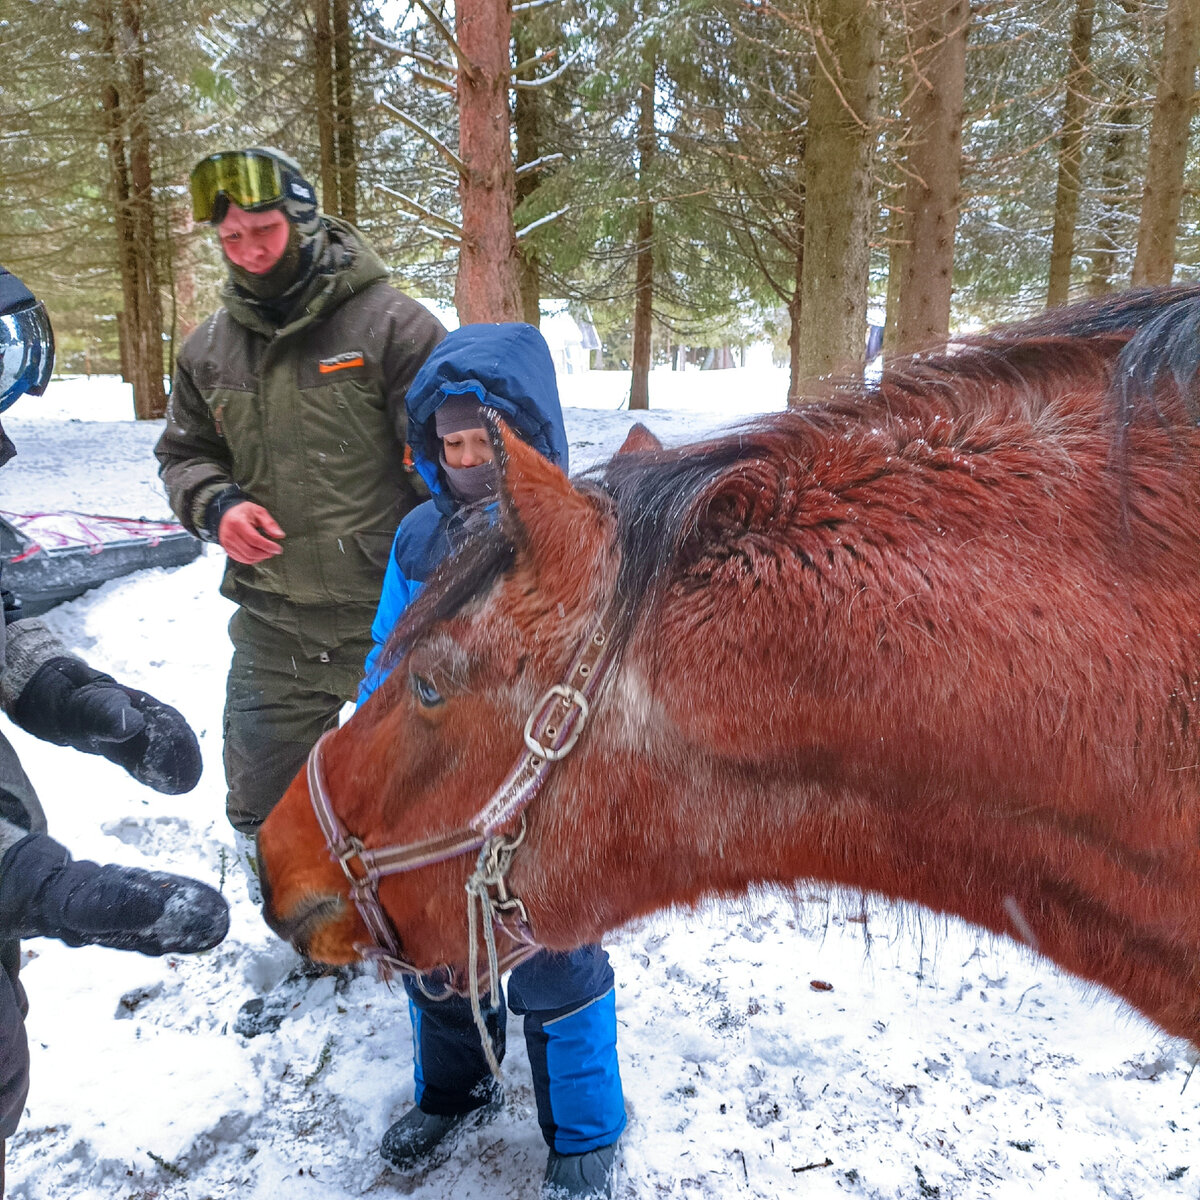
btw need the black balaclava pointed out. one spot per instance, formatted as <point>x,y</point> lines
<point>275,293</point>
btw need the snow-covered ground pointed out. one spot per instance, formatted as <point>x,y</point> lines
<point>776,1046</point>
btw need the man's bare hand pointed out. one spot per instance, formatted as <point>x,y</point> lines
<point>246,531</point>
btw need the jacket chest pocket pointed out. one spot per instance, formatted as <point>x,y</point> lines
<point>235,415</point>
<point>336,370</point>
<point>230,409</point>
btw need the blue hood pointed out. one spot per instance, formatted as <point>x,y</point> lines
<point>509,368</point>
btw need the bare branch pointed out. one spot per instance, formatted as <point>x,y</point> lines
<point>532,84</point>
<point>544,57</point>
<point>421,211</point>
<point>467,67</point>
<point>440,235</point>
<point>432,138</point>
<point>431,81</point>
<point>420,56</point>
<point>540,221</point>
<point>536,164</point>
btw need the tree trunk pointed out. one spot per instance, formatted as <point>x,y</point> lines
<point>934,162</point>
<point>1174,103</point>
<point>527,122</point>
<point>643,306</point>
<point>486,287</point>
<point>326,115</point>
<point>123,100</point>
<point>794,312</point>
<point>1115,174</point>
<point>1070,152</point>
<point>838,194</point>
<point>343,104</point>
<point>118,172</point>
<point>150,398</point>
<point>895,243</point>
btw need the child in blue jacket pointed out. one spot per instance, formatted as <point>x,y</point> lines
<point>567,1000</point>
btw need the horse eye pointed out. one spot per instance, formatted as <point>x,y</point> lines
<point>427,695</point>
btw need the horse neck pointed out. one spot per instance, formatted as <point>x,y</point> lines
<point>661,819</point>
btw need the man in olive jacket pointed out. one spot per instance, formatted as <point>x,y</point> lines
<point>284,443</point>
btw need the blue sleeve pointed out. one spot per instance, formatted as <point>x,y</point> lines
<point>398,593</point>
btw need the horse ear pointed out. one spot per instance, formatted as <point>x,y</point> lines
<point>550,521</point>
<point>639,440</point>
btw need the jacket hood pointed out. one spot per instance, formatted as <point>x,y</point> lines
<point>348,265</point>
<point>508,368</point>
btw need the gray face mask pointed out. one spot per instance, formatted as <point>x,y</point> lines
<point>469,484</point>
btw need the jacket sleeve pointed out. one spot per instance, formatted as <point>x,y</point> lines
<point>398,593</point>
<point>28,646</point>
<point>193,459</point>
<point>415,332</point>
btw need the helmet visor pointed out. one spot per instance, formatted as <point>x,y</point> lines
<point>26,353</point>
<point>250,179</point>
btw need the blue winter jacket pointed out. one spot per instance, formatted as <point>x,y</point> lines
<point>509,368</point>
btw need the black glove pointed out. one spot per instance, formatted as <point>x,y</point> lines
<point>69,704</point>
<point>44,892</point>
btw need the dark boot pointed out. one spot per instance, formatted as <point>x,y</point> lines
<point>426,1139</point>
<point>580,1176</point>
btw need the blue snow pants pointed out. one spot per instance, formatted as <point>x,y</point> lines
<point>569,1005</point>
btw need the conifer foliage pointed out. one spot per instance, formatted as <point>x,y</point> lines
<point>685,175</point>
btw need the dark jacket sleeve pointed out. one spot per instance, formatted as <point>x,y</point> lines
<point>14,1050</point>
<point>27,646</point>
<point>193,459</point>
<point>415,332</point>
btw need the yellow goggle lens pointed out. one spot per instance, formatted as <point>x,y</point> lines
<point>249,180</point>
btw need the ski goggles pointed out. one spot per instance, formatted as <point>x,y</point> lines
<point>251,179</point>
<point>26,353</point>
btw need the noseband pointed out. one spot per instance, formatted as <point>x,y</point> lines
<point>551,732</point>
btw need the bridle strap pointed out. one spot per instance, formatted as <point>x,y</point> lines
<point>551,732</point>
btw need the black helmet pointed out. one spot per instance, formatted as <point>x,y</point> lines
<point>257,180</point>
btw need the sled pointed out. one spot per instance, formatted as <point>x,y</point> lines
<point>49,557</point>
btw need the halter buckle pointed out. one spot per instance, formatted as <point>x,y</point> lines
<point>571,697</point>
<point>349,849</point>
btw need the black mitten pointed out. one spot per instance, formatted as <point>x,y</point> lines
<point>46,893</point>
<point>68,703</point>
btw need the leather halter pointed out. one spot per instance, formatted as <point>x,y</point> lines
<point>551,732</point>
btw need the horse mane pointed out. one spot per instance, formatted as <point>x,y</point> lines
<point>1129,348</point>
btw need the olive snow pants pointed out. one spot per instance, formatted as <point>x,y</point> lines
<point>278,702</point>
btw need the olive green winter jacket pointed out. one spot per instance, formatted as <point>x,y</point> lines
<point>306,419</point>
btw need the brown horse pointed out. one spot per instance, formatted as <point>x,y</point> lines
<point>937,639</point>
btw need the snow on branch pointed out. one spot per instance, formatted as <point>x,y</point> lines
<point>421,211</point>
<point>438,235</point>
<point>540,221</point>
<point>467,67</point>
<point>530,5</point>
<point>536,164</point>
<point>436,64</point>
<point>432,138</point>
<point>528,85</point>
<point>432,81</point>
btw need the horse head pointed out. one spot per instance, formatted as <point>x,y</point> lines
<point>476,662</point>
